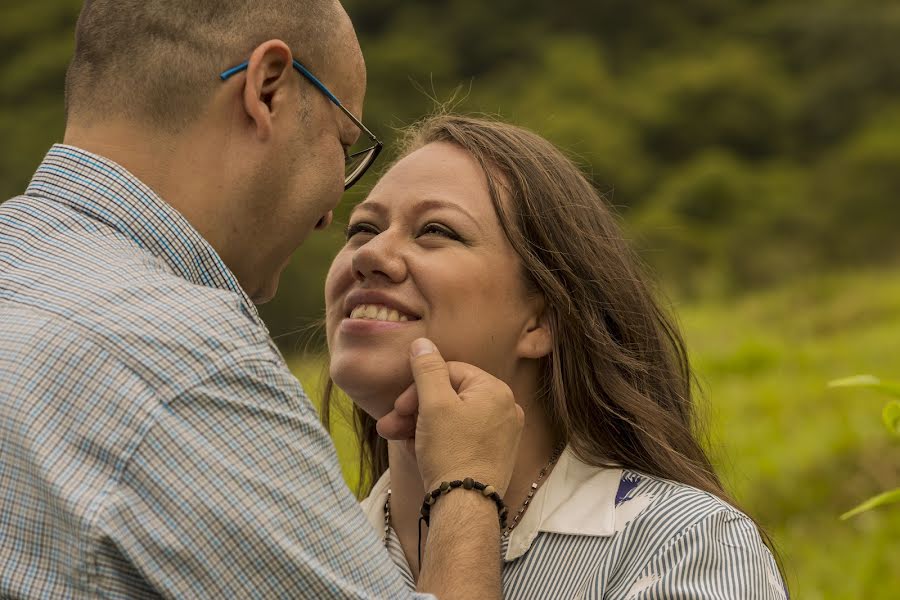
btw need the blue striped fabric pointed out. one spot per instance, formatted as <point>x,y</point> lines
<point>152,441</point>
<point>593,534</point>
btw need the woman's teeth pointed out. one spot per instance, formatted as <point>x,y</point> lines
<point>377,312</point>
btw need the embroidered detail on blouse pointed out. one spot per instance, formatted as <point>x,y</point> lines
<point>627,485</point>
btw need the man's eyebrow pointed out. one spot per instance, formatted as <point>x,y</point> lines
<point>421,206</point>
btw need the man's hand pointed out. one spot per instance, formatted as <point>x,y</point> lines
<point>465,422</point>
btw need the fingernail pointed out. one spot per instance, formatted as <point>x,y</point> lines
<point>422,346</point>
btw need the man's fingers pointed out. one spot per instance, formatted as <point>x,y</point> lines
<point>429,371</point>
<point>407,403</point>
<point>461,374</point>
<point>394,426</point>
<point>400,423</point>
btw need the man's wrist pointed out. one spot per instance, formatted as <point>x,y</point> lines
<point>463,550</point>
<point>464,486</point>
<point>467,506</point>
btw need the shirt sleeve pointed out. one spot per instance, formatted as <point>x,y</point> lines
<point>235,491</point>
<point>721,557</point>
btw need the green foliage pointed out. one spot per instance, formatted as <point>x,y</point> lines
<point>874,502</point>
<point>890,415</point>
<point>746,143</point>
<point>869,381</point>
<point>793,456</point>
<point>36,43</point>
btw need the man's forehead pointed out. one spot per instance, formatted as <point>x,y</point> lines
<point>353,84</point>
<point>347,66</point>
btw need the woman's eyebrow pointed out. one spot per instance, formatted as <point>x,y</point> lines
<point>372,205</point>
<point>437,203</point>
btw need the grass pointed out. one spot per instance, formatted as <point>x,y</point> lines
<point>795,453</point>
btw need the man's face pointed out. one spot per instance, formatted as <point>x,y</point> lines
<point>299,179</point>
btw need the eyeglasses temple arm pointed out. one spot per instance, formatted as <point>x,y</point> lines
<point>313,80</point>
<point>303,70</point>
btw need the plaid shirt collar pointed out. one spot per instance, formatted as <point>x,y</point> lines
<point>109,193</point>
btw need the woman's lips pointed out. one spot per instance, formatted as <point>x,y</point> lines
<point>372,317</point>
<point>365,326</point>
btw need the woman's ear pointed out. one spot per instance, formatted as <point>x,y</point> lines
<point>536,340</point>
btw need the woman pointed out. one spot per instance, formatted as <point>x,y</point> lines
<point>486,239</point>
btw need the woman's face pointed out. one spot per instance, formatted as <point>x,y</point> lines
<point>426,257</point>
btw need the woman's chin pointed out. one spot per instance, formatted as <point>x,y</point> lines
<point>372,387</point>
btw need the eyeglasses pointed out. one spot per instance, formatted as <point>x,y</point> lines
<point>357,163</point>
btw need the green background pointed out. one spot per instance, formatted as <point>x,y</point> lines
<point>752,149</point>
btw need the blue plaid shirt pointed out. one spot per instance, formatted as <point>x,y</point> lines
<point>152,440</point>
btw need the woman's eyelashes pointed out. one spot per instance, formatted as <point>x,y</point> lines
<point>429,229</point>
<point>360,227</point>
<point>440,229</point>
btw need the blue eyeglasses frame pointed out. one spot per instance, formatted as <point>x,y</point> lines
<point>366,156</point>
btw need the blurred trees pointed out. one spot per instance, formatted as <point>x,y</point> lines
<point>744,142</point>
<point>36,43</point>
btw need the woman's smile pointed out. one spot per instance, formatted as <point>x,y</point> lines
<point>375,318</point>
<point>374,311</point>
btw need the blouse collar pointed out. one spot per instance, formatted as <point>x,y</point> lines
<point>576,499</point>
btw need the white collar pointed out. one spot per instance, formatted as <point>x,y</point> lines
<point>576,499</point>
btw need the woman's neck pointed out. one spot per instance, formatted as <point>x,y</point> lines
<point>535,449</point>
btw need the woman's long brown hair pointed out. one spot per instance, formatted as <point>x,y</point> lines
<point>617,384</point>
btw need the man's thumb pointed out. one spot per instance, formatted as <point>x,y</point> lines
<point>429,370</point>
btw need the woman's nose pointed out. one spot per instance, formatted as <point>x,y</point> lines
<point>379,258</point>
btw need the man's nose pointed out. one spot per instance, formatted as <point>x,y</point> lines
<point>326,220</point>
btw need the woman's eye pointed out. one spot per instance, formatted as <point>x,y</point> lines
<point>438,229</point>
<point>355,228</point>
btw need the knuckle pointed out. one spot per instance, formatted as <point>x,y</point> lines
<point>503,391</point>
<point>430,364</point>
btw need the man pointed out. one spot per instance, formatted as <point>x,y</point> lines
<point>152,441</point>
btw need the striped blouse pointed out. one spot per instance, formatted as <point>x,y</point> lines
<point>593,533</point>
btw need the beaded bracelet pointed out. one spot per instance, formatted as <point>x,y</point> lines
<point>467,484</point>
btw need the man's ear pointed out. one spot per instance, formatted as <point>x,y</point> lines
<point>268,76</point>
<point>536,340</point>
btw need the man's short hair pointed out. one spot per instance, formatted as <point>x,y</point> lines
<point>157,61</point>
